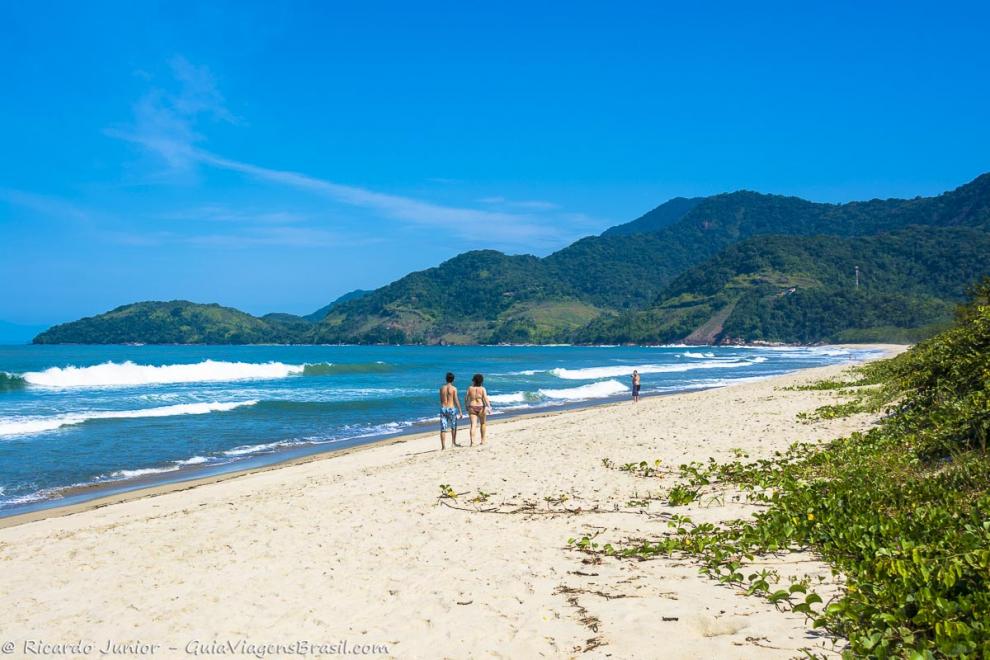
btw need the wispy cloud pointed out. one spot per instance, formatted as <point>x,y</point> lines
<point>531,204</point>
<point>165,119</point>
<point>165,125</point>
<point>223,213</point>
<point>272,236</point>
<point>469,223</point>
<point>46,205</point>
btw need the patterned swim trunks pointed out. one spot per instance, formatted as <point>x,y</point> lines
<point>448,419</point>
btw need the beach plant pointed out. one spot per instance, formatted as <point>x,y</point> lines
<point>643,468</point>
<point>447,492</point>
<point>481,497</point>
<point>681,495</point>
<point>900,512</point>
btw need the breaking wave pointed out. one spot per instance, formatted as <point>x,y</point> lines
<point>9,382</point>
<point>591,391</point>
<point>129,373</point>
<point>591,373</point>
<point>10,426</point>
<point>330,369</point>
<point>514,397</point>
<point>141,472</point>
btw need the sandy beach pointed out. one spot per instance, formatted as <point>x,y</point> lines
<point>356,547</point>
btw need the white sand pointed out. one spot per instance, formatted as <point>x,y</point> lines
<point>355,547</point>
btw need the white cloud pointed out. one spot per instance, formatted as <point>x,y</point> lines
<point>272,236</point>
<point>45,205</point>
<point>165,125</point>
<point>531,204</point>
<point>164,119</point>
<point>222,213</point>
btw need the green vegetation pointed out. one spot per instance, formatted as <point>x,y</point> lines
<point>662,216</point>
<point>802,290</point>
<point>901,512</point>
<point>176,322</point>
<point>734,267</point>
<point>322,312</point>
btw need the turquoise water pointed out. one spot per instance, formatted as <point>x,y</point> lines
<point>122,416</point>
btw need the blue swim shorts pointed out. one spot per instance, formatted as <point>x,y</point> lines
<point>448,419</point>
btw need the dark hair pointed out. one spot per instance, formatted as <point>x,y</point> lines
<point>450,377</point>
<point>477,380</point>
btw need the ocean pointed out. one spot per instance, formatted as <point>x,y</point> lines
<point>82,421</point>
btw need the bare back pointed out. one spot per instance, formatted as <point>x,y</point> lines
<point>477,398</point>
<point>448,396</point>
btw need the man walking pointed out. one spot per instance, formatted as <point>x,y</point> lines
<point>448,418</point>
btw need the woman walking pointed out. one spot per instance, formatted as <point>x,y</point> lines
<point>478,405</point>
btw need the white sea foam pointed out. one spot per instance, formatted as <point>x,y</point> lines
<point>129,373</point>
<point>590,391</point>
<point>515,397</point>
<point>830,352</point>
<point>626,370</point>
<point>195,460</point>
<point>697,356</point>
<point>142,472</point>
<point>244,450</point>
<point>27,425</point>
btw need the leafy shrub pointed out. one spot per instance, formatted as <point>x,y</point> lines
<point>902,512</point>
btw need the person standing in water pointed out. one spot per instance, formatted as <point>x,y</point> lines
<point>635,386</point>
<point>478,405</point>
<point>448,418</point>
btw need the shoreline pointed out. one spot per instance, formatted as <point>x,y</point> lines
<point>140,488</point>
<point>84,497</point>
<point>361,548</point>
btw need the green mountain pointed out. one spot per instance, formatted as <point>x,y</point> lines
<point>803,289</point>
<point>666,214</point>
<point>490,297</point>
<point>719,268</point>
<point>477,296</point>
<point>175,322</point>
<point>322,312</point>
<point>629,271</point>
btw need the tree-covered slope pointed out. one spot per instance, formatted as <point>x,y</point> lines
<point>629,271</point>
<point>322,312</point>
<point>652,221</point>
<point>477,296</point>
<point>636,283</point>
<point>803,289</point>
<point>175,322</point>
<point>487,296</point>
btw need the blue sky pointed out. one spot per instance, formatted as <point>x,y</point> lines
<point>271,156</point>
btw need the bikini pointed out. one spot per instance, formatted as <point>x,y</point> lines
<point>476,408</point>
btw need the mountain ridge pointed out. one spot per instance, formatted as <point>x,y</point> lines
<point>485,296</point>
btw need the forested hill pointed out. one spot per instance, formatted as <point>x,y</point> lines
<point>491,297</point>
<point>621,285</point>
<point>177,322</point>
<point>666,214</point>
<point>322,312</point>
<point>802,289</point>
<point>630,271</point>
